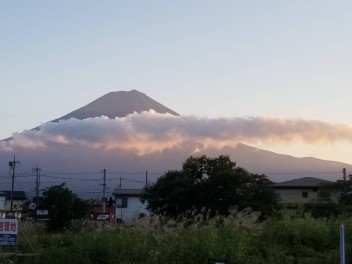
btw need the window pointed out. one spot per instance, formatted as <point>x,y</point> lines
<point>305,194</point>
<point>121,202</point>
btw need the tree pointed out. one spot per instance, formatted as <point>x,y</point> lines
<point>334,198</point>
<point>64,206</point>
<point>215,183</point>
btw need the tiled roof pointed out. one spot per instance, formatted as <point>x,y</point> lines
<point>304,182</point>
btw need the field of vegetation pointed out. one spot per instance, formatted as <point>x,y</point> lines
<point>238,238</point>
<point>183,231</point>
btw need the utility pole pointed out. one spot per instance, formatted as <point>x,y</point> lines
<point>12,164</point>
<point>344,174</point>
<point>37,170</point>
<point>120,182</point>
<point>146,178</point>
<point>104,193</point>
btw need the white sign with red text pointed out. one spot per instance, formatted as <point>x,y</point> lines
<point>8,232</point>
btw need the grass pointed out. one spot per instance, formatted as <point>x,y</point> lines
<point>240,240</point>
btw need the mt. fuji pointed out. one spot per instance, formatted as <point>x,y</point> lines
<point>128,133</point>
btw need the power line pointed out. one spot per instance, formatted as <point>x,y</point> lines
<point>68,178</point>
<point>74,173</point>
<point>23,170</point>
<point>299,172</point>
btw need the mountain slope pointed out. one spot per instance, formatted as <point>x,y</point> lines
<point>115,104</point>
<point>282,167</point>
<point>118,104</point>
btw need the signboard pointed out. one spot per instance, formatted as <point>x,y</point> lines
<point>41,214</point>
<point>8,232</point>
<point>102,217</point>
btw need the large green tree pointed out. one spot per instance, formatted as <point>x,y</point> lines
<point>215,183</point>
<point>64,206</point>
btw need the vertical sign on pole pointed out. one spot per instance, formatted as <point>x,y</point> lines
<point>342,244</point>
<point>8,232</point>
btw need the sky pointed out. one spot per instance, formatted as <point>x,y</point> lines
<point>285,61</point>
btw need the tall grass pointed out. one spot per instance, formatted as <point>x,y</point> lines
<point>238,240</point>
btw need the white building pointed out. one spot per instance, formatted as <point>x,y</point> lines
<point>18,199</point>
<point>299,191</point>
<point>128,204</point>
<point>2,201</point>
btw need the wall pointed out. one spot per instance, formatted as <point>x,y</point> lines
<point>16,205</point>
<point>2,202</point>
<point>134,208</point>
<point>295,195</point>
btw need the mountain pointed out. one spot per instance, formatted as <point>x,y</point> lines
<point>281,167</point>
<point>115,104</point>
<point>118,104</point>
<point>79,165</point>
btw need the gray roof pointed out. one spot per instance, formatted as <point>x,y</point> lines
<point>127,192</point>
<point>16,195</point>
<point>305,182</point>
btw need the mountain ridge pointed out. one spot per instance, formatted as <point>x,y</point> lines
<point>282,166</point>
<point>117,104</point>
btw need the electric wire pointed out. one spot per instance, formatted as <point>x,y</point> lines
<point>115,179</point>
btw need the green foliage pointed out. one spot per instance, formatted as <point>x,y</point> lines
<point>64,206</point>
<point>215,183</point>
<point>334,199</point>
<point>287,241</point>
<point>301,241</point>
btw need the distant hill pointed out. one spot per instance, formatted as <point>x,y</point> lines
<point>284,167</point>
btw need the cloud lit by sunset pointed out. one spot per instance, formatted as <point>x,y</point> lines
<point>152,132</point>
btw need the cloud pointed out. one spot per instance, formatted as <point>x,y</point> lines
<point>159,142</point>
<point>151,132</point>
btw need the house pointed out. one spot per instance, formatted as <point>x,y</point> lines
<point>2,200</point>
<point>2,204</point>
<point>128,205</point>
<point>299,191</point>
<point>18,199</point>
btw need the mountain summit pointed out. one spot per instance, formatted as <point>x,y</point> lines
<point>118,104</point>
<point>115,104</point>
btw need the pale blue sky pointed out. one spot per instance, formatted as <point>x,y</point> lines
<point>207,58</point>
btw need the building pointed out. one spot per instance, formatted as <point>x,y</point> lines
<point>18,200</point>
<point>299,191</point>
<point>2,204</point>
<point>128,205</point>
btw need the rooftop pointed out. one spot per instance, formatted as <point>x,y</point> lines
<point>305,182</point>
<point>17,195</point>
<point>127,192</point>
